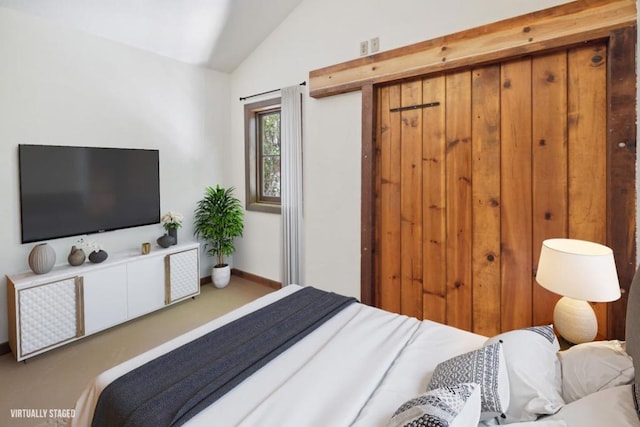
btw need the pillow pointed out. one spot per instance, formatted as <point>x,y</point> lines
<point>594,366</point>
<point>485,367</point>
<point>609,407</point>
<point>448,406</point>
<point>535,381</point>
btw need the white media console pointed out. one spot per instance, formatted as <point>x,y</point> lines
<point>68,303</point>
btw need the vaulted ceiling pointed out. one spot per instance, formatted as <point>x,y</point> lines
<point>218,34</point>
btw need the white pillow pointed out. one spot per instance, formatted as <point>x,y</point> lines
<point>535,381</point>
<point>485,367</point>
<point>594,366</point>
<point>457,406</point>
<point>609,407</point>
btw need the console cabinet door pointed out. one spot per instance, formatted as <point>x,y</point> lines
<point>105,298</point>
<point>145,291</point>
<point>182,275</point>
<point>49,314</point>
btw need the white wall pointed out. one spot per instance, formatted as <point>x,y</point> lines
<point>60,86</point>
<point>320,33</point>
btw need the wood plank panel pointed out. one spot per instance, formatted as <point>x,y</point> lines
<point>459,206</point>
<point>411,200</point>
<point>588,146</point>
<point>621,159</point>
<point>389,176</point>
<point>434,200</point>
<point>549,98</point>
<point>555,27</point>
<point>485,116</point>
<point>516,233</point>
<point>546,114</point>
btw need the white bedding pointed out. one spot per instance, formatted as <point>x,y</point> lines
<point>356,369</point>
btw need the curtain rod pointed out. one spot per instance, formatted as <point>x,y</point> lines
<point>242,98</point>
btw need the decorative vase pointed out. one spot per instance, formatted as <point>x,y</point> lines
<point>173,232</point>
<point>166,240</point>
<point>220,276</point>
<point>76,256</point>
<point>98,256</point>
<point>42,258</point>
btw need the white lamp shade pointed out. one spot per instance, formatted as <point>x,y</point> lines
<point>578,269</point>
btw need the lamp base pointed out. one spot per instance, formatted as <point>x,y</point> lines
<point>575,320</point>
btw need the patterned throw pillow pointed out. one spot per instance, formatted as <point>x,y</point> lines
<point>444,407</point>
<point>485,367</point>
<point>535,379</point>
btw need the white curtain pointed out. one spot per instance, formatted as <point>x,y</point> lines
<point>291,184</point>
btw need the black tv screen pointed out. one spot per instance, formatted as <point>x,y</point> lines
<point>68,191</point>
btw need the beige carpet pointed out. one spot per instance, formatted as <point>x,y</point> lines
<point>55,379</point>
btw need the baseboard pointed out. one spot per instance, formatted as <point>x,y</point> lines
<point>4,348</point>
<point>255,278</point>
<point>248,276</point>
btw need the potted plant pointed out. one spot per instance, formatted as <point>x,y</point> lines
<point>171,221</point>
<point>218,220</point>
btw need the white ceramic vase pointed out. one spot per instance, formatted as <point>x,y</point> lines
<point>220,276</point>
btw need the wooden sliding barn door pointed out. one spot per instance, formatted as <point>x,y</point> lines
<point>474,169</point>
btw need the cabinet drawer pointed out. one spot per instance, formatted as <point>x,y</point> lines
<point>105,298</point>
<point>145,286</point>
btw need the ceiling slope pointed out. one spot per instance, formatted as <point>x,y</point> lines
<point>218,34</point>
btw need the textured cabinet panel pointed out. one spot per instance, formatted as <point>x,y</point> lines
<point>48,315</point>
<point>182,275</point>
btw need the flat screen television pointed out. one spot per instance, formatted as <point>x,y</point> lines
<point>68,191</point>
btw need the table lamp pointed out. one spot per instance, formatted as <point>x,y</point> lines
<point>580,271</point>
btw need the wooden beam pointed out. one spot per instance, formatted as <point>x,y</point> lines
<point>560,26</point>
<point>621,161</point>
<point>368,208</point>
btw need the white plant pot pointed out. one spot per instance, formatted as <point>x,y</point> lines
<point>220,276</point>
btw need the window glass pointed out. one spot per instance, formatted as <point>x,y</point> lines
<point>262,152</point>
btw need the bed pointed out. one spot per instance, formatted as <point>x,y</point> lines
<point>362,366</point>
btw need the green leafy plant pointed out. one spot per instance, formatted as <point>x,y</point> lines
<point>219,219</point>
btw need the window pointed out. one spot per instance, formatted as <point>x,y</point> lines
<point>262,155</point>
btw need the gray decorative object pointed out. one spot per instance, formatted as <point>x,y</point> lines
<point>173,232</point>
<point>98,257</point>
<point>76,256</point>
<point>166,241</point>
<point>42,258</point>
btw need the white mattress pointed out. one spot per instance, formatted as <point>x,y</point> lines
<point>356,369</point>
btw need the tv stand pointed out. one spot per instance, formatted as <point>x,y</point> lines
<point>49,310</point>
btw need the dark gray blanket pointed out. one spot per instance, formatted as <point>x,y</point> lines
<point>173,388</point>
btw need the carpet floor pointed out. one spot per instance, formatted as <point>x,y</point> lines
<point>54,380</point>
